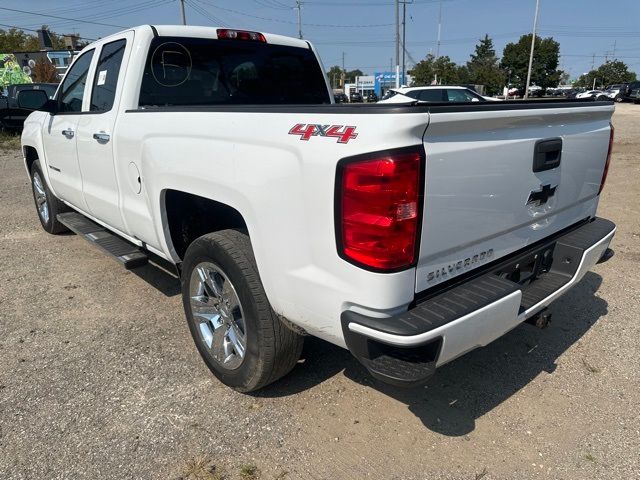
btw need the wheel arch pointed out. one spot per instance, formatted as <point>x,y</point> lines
<point>30,155</point>
<point>187,216</point>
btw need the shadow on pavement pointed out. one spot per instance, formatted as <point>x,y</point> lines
<point>476,383</point>
<point>159,274</point>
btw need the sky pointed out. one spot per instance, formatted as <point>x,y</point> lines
<point>364,30</point>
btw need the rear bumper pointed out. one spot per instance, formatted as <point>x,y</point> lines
<point>406,349</point>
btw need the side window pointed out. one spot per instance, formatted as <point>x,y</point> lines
<point>412,94</point>
<point>432,95</point>
<point>106,77</point>
<point>460,96</point>
<point>72,89</point>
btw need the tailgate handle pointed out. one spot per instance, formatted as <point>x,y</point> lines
<point>546,154</point>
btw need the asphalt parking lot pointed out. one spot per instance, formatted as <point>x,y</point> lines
<point>99,377</point>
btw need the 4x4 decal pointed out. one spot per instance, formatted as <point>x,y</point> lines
<point>343,133</point>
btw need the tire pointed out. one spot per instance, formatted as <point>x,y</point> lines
<point>618,98</point>
<point>220,328</point>
<point>52,205</point>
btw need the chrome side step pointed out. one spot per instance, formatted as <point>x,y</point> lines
<point>130,255</point>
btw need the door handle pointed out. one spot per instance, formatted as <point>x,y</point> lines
<point>68,133</point>
<point>101,137</point>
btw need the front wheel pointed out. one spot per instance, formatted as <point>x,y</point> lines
<point>48,205</point>
<point>239,336</point>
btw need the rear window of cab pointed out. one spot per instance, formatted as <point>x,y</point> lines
<point>198,71</point>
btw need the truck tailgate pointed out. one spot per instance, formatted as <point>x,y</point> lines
<point>483,196</point>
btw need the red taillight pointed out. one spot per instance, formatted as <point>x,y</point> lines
<point>240,35</point>
<point>379,205</point>
<point>606,165</point>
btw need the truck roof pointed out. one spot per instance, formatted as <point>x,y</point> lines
<point>207,32</point>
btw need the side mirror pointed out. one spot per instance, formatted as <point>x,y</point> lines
<point>36,100</point>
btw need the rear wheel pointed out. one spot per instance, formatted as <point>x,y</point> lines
<point>239,336</point>
<point>47,205</point>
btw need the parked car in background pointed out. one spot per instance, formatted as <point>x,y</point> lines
<point>356,97</point>
<point>12,115</point>
<point>340,98</point>
<point>536,91</point>
<point>372,97</point>
<point>592,94</point>
<point>615,93</point>
<point>439,93</point>
<point>629,91</point>
<point>514,92</point>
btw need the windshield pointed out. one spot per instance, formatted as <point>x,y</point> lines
<point>199,71</point>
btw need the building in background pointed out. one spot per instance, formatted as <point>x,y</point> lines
<point>383,81</point>
<point>362,85</point>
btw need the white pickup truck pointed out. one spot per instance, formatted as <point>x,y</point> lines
<point>408,234</point>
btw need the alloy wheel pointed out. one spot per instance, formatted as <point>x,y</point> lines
<point>218,315</point>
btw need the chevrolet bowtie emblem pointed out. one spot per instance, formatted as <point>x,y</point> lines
<point>540,197</point>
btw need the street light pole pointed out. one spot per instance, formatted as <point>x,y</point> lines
<point>299,8</point>
<point>397,5</point>
<point>404,38</point>
<point>533,43</point>
<point>184,17</point>
<point>439,31</point>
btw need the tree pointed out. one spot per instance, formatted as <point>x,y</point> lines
<point>16,40</point>
<point>544,71</point>
<point>45,72</point>
<point>613,71</point>
<point>350,76</point>
<point>483,68</point>
<point>335,73</point>
<point>442,69</point>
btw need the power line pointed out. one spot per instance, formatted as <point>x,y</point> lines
<point>62,18</point>
<point>277,20</point>
<point>118,12</point>
<point>206,14</point>
<point>273,6</point>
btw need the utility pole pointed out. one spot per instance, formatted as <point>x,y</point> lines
<point>397,5</point>
<point>533,43</point>
<point>344,72</point>
<point>593,61</point>
<point>299,8</point>
<point>400,77</point>
<point>404,38</point>
<point>614,49</point>
<point>439,31</point>
<point>184,17</point>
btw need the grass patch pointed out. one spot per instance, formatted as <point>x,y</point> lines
<point>9,141</point>
<point>200,468</point>
<point>249,472</point>
<point>590,457</point>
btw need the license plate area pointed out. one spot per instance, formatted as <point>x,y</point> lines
<point>526,269</point>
